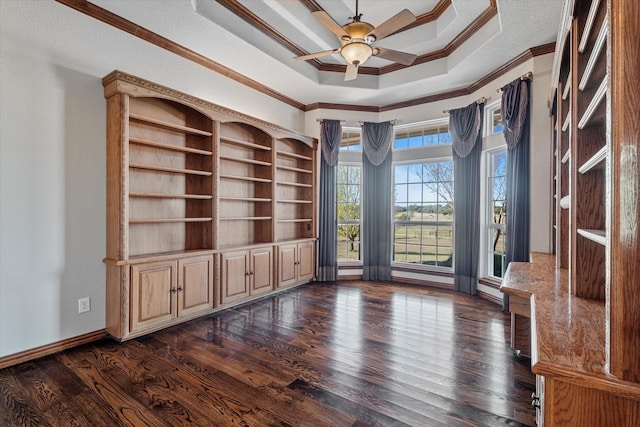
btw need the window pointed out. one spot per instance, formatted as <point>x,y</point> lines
<point>423,213</point>
<point>434,133</point>
<point>497,212</point>
<point>348,196</point>
<point>493,117</point>
<point>350,140</point>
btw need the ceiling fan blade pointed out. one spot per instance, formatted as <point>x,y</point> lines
<point>393,24</point>
<point>328,22</point>
<point>352,73</point>
<point>394,55</point>
<point>316,55</point>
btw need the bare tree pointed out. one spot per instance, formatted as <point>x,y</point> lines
<point>437,178</point>
<point>499,188</point>
<point>348,195</point>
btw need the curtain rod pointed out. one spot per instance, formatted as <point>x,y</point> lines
<point>526,76</point>
<point>392,121</point>
<point>321,120</point>
<point>478,101</point>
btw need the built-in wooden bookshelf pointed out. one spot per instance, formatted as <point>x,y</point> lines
<point>245,187</point>
<point>198,199</point>
<point>585,329</point>
<point>295,172</point>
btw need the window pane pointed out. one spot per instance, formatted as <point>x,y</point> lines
<point>401,194</point>
<point>428,238</point>
<point>348,242</point>
<point>401,143</point>
<point>401,174</point>
<point>497,120</point>
<point>348,212</point>
<point>497,214</point>
<point>350,141</point>
<point>431,134</point>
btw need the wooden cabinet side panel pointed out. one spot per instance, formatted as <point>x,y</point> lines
<point>625,212</point>
<point>195,285</point>
<point>117,176</point>
<point>234,283</point>
<point>152,299</point>
<point>287,265</point>
<point>262,271</point>
<point>306,261</point>
<point>117,301</point>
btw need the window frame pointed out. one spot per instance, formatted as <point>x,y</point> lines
<point>349,157</point>
<point>422,161</point>
<point>427,124</point>
<point>489,111</point>
<point>490,226</point>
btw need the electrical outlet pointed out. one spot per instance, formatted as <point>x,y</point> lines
<point>84,305</point>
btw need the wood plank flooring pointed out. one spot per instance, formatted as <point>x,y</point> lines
<point>345,354</point>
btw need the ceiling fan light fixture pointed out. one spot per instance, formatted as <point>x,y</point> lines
<point>356,53</point>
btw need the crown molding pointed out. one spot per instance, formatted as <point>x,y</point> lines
<point>483,81</point>
<point>127,26</point>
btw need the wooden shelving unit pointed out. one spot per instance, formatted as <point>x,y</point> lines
<point>590,29</point>
<point>295,171</point>
<point>585,315</point>
<point>199,198</point>
<point>245,188</point>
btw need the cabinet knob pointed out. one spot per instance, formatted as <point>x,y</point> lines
<point>179,289</point>
<point>174,290</point>
<point>248,273</point>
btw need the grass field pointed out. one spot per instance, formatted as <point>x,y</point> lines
<point>414,243</point>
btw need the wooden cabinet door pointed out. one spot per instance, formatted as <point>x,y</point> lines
<point>195,285</point>
<point>153,293</point>
<point>306,261</point>
<point>287,267</point>
<point>261,271</point>
<point>235,276</point>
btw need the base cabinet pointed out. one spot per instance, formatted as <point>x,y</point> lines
<point>166,290</point>
<point>195,285</point>
<point>246,273</point>
<point>586,404</point>
<point>153,294</point>
<point>295,263</point>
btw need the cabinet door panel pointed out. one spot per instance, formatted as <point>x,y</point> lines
<point>235,281</point>
<point>152,299</point>
<point>262,269</point>
<point>287,271</point>
<point>195,285</point>
<point>305,261</point>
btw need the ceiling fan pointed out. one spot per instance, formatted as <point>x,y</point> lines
<point>357,39</point>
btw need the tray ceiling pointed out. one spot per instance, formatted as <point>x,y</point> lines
<point>457,42</point>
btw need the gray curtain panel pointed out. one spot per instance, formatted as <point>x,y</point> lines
<point>465,126</point>
<point>515,119</point>
<point>515,113</point>
<point>376,200</point>
<point>330,137</point>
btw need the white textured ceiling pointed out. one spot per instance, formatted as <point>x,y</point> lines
<point>209,28</point>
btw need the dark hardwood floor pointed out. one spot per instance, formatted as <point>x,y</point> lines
<point>346,354</point>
